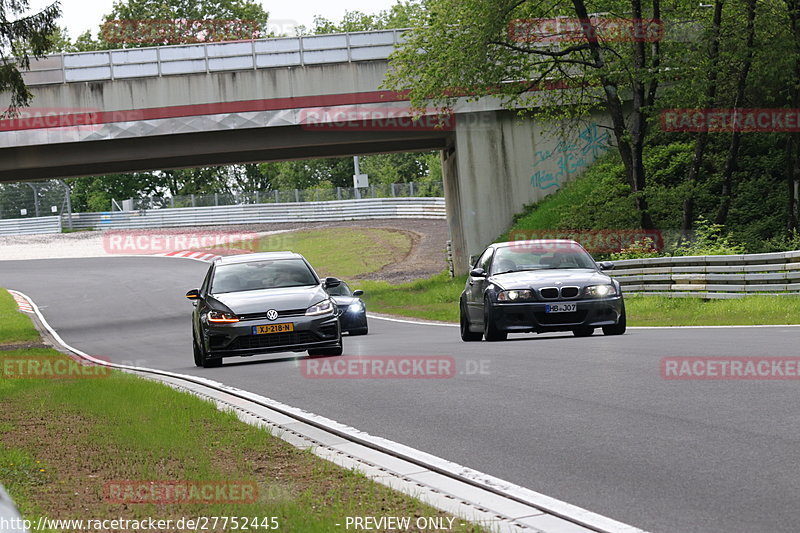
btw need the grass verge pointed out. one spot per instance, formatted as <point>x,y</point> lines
<point>343,252</point>
<point>437,299</point>
<point>63,439</point>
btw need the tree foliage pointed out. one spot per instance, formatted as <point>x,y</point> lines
<point>22,35</point>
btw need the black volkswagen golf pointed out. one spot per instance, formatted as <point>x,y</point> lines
<point>539,286</point>
<point>261,303</point>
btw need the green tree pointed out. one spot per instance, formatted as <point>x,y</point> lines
<point>22,36</point>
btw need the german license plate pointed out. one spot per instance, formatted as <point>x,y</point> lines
<point>561,308</point>
<point>266,329</point>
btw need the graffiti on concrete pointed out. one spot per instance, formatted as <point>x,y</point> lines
<point>569,157</point>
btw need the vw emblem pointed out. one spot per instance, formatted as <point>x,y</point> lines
<point>272,314</point>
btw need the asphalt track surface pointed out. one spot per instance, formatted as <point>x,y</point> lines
<point>586,420</point>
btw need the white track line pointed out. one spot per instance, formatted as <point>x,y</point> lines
<point>473,478</point>
<point>421,323</point>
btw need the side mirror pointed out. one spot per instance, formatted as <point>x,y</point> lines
<point>332,282</point>
<point>358,293</point>
<point>193,294</point>
<point>605,265</point>
<point>477,273</point>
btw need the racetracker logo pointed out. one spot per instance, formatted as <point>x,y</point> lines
<point>160,492</point>
<point>58,118</point>
<point>139,242</point>
<point>595,29</point>
<point>364,118</point>
<point>729,120</point>
<point>594,241</point>
<point>380,367</point>
<point>730,368</point>
<point>52,367</point>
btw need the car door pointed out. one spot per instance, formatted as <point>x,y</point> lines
<point>476,285</point>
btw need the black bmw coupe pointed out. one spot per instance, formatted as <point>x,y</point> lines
<point>539,286</point>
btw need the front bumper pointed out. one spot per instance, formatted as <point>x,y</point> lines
<point>352,320</point>
<point>532,316</point>
<point>231,340</point>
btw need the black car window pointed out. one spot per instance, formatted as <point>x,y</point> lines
<point>486,259</point>
<point>256,275</point>
<point>340,290</point>
<point>541,256</point>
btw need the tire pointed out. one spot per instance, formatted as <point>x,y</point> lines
<point>360,331</point>
<point>326,351</point>
<point>198,354</point>
<point>619,327</point>
<point>490,331</point>
<point>466,334</point>
<point>584,331</point>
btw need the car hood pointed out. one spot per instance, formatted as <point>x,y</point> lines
<point>284,299</point>
<point>536,279</point>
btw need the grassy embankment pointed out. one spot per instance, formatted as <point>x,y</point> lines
<point>62,440</point>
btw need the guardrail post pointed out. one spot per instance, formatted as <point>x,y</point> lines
<point>258,197</point>
<point>192,200</point>
<point>277,196</point>
<point>394,192</point>
<point>296,195</point>
<point>411,188</point>
<point>216,199</point>
<point>338,193</point>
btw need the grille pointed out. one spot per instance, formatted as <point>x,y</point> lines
<point>569,292</point>
<point>281,314</point>
<point>560,318</point>
<point>273,339</point>
<point>550,293</point>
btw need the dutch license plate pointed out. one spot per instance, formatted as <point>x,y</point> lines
<point>561,308</point>
<point>266,329</point>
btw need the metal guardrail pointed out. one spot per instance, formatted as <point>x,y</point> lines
<point>711,276</point>
<point>30,226</point>
<point>379,208</point>
<point>10,519</point>
<point>213,57</point>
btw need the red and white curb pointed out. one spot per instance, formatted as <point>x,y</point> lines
<point>189,254</point>
<point>23,304</point>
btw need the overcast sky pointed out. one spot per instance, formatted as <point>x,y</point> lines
<point>81,15</point>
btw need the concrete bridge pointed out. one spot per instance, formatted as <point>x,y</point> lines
<point>278,99</point>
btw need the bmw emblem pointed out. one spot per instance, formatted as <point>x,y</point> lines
<point>272,314</point>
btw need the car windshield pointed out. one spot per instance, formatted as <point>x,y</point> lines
<point>256,275</point>
<point>340,290</point>
<point>540,257</point>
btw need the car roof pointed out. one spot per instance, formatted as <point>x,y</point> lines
<point>261,256</point>
<point>535,242</point>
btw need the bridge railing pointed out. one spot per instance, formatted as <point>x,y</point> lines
<point>711,276</point>
<point>213,57</point>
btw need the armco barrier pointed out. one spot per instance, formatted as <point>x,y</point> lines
<point>343,210</point>
<point>29,226</point>
<point>711,276</point>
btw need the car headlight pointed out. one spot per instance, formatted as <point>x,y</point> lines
<point>514,295</point>
<point>321,308</point>
<point>218,317</point>
<point>599,291</point>
<point>356,307</point>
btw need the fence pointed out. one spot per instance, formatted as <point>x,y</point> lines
<point>711,276</point>
<point>213,57</point>
<point>425,208</point>
<point>385,190</point>
<point>30,226</point>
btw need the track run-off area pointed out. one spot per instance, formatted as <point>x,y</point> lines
<point>590,421</point>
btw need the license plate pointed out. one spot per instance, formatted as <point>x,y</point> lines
<point>561,308</point>
<point>273,328</point>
